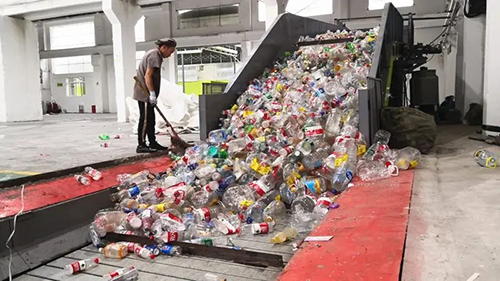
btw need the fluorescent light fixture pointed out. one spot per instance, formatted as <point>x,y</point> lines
<point>189,52</point>
<point>227,50</point>
<point>183,11</point>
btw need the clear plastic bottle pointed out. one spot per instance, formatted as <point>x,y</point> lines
<point>171,250</point>
<point>108,221</point>
<point>133,220</point>
<point>204,171</point>
<point>207,213</point>
<point>342,177</point>
<point>255,212</point>
<point>316,185</point>
<point>275,211</point>
<point>409,157</point>
<point>224,227</point>
<point>81,265</point>
<point>137,178</point>
<point>82,179</point>
<point>115,251</point>
<point>93,173</point>
<point>486,158</point>
<point>376,170</point>
<point>123,274</point>
<point>287,234</point>
<point>125,193</point>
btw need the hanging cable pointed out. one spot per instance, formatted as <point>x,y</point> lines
<point>13,232</point>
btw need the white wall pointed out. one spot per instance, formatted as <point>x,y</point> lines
<point>71,103</point>
<point>20,93</point>
<point>470,65</point>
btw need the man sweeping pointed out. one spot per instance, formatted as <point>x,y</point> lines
<point>149,74</point>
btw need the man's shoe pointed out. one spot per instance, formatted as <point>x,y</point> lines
<point>157,146</point>
<point>144,149</point>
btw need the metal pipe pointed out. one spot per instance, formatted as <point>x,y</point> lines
<point>183,78</point>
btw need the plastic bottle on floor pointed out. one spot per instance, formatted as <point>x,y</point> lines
<point>93,173</point>
<point>82,179</point>
<point>486,158</point>
<point>115,251</point>
<point>287,234</point>
<point>408,158</point>
<point>213,277</point>
<point>171,250</point>
<point>123,274</point>
<point>81,265</point>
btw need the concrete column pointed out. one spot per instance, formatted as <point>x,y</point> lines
<point>341,9</point>
<point>123,15</point>
<point>273,9</point>
<point>158,24</point>
<point>491,114</point>
<point>100,83</point>
<point>20,87</point>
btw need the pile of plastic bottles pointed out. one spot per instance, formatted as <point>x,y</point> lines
<point>289,145</point>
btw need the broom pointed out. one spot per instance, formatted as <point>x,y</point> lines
<point>179,145</point>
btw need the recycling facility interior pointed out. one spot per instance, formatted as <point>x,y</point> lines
<point>80,57</point>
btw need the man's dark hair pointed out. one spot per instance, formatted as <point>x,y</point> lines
<point>169,42</point>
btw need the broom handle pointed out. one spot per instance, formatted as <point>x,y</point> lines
<point>145,91</point>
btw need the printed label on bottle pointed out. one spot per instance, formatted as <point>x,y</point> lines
<point>324,201</point>
<point>361,150</point>
<point>313,186</point>
<point>260,228</point>
<point>170,237</point>
<point>167,249</point>
<point>134,191</point>
<point>78,266</point>
<point>173,217</point>
<point>131,247</point>
<point>314,131</point>
<point>206,214</point>
<point>340,159</point>
<point>259,187</point>
<point>349,175</point>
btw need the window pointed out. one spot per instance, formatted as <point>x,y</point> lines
<point>310,8</point>
<point>190,73</point>
<point>138,58</point>
<point>379,4</point>
<point>75,87</point>
<point>140,30</point>
<point>209,17</point>
<point>73,35</point>
<point>80,64</point>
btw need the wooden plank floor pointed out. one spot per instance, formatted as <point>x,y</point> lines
<point>173,268</point>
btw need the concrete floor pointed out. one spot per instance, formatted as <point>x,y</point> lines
<point>454,214</point>
<point>65,141</point>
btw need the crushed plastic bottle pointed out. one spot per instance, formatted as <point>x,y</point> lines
<point>82,179</point>
<point>287,234</point>
<point>93,173</point>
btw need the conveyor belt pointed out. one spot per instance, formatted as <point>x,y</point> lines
<point>173,268</point>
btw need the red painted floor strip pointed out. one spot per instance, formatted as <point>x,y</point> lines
<point>369,231</point>
<point>52,192</point>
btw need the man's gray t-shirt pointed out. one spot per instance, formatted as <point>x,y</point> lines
<point>152,59</point>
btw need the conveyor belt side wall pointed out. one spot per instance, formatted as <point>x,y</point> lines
<point>391,30</point>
